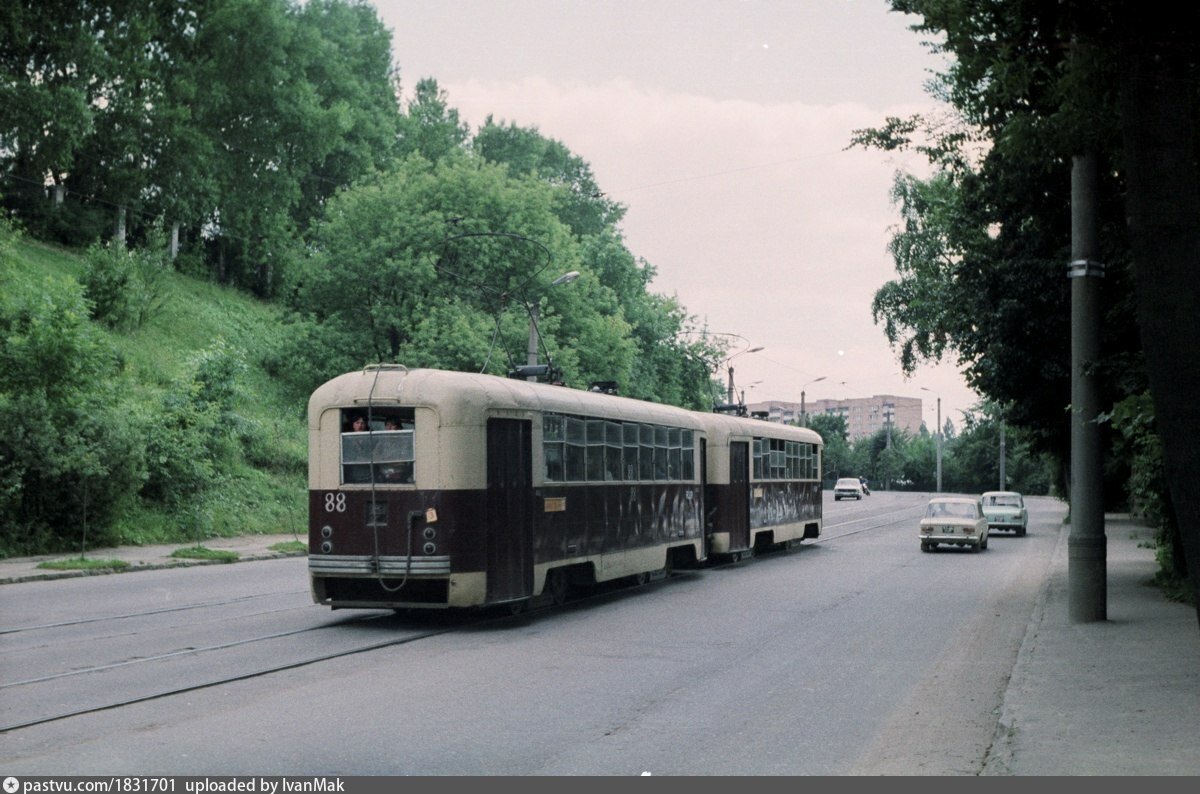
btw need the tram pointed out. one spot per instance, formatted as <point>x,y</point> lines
<point>431,489</point>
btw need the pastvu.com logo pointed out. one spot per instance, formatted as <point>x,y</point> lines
<point>11,785</point>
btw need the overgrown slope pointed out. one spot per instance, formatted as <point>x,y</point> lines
<point>255,485</point>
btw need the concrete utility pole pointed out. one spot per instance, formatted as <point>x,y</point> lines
<point>1086,545</point>
<point>729,361</point>
<point>938,436</point>
<point>1003,479</point>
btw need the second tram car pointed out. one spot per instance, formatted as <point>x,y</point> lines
<point>468,490</point>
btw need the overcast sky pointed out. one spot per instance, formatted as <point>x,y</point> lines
<point>722,127</point>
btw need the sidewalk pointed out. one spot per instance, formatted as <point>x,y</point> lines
<point>144,558</point>
<point>1108,698</point>
<point>1113,697</point>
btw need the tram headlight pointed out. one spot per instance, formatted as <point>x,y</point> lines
<point>430,533</point>
<point>327,547</point>
<point>429,548</point>
<point>327,532</point>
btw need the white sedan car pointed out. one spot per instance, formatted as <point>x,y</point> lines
<point>1006,510</point>
<point>847,488</point>
<point>955,521</point>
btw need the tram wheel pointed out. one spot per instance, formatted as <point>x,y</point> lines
<point>557,587</point>
<point>641,579</point>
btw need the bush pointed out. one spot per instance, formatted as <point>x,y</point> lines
<point>70,455</point>
<point>126,288</point>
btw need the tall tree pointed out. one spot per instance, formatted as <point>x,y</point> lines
<point>581,204</point>
<point>431,128</point>
<point>49,53</point>
<point>1159,86</point>
<point>348,63</point>
<point>441,264</point>
<point>1033,81</point>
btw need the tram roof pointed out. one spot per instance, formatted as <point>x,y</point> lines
<point>742,425</point>
<point>450,391</point>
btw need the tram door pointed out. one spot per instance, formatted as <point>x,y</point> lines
<point>739,495</point>
<point>509,508</point>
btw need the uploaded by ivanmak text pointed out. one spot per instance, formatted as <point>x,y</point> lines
<point>172,785</point>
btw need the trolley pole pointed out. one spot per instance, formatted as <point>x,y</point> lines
<point>1086,545</point>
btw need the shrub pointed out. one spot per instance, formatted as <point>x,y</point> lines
<point>125,287</point>
<point>70,455</point>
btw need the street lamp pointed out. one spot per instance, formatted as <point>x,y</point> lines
<point>939,437</point>
<point>534,334</point>
<point>803,413</point>
<point>729,361</point>
<point>751,386</point>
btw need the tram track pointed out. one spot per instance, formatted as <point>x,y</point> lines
<point>259,672</point>
<point>832,532</point>
<point>910,515</point>
<point>6,630</point>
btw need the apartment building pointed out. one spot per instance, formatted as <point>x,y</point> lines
<point>864,416</point>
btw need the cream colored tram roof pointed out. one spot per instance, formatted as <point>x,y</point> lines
<point>461,397</point>
<point>724,425</point>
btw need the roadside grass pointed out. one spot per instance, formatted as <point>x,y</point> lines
<point>290,547</point>
<point>84,564</point>
<point>203,553</point>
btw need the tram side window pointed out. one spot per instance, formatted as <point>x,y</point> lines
<point>595,450</point>
<point>792,467</point>
<point>576,450</point>
<point>581,449</point>
<point>646,453</point>
<point>630,431</point>
<point>689,455</point>
<point>662,450</point>
<point>674,454</point>
<point>809,461</point>
<point>552,447</point>
<point>614,445</point>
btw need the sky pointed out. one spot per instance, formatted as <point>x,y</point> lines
<point>722,126</point>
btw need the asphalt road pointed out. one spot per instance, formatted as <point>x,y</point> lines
<point>854,654</point>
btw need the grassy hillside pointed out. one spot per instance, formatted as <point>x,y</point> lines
<point>260,490</point>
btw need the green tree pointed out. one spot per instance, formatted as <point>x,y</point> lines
<point>70,452</point>
<point>832,429</point>
<point>581,204</point>
<point>348,64</point>
<point>48,55</point>
<point>442,264</point>
<point>1038,83</point>
<point>919,469</point>
<point>431,128</point>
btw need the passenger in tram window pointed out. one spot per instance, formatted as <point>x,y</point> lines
<point>392,423</point>
<point>358,424</point>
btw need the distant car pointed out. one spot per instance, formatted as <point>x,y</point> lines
<point>847,488</point>
<point>955,521</point>
<point>1006,510</point>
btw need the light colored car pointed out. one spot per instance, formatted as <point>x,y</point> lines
<point>955,521</point>
<point>1006,510</point>
<point>847,488</point>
